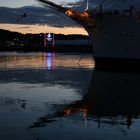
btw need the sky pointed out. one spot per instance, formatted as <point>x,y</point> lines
<point>40,17</point>
<point>18,3</point>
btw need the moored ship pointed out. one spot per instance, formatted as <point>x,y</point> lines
<point>116,37</point>
<point>114,27</point>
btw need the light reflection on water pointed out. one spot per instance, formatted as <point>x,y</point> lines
<point>38,84</point>
<point>60,96</point>
<point>44,60</point>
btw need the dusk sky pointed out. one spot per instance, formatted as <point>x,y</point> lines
<point>39,19</point>
<point>18,3</point>
<point>42,19</point>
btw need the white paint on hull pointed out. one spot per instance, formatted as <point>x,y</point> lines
<point>117,36</point>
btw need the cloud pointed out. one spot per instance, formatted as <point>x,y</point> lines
<point>17,3</point>
<point>35,15</point>
<point>114,4</point>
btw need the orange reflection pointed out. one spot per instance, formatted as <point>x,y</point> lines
<point>39,60</point>
<point>71,110</point>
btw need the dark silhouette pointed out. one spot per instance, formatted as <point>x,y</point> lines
<point>23,16</point>
<point>109,95</point>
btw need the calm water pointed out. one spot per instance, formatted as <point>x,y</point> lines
<point>61,96</point>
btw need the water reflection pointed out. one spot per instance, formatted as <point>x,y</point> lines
<point>30,87</point>
<point>49,58</point>
<point>111,95</point>
<point>112,100</point>
<point>43,60</point>
<point>56,98</point>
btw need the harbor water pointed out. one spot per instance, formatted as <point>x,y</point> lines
<point>59,96</point>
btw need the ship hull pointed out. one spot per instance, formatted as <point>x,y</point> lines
<point>114,93</point>
<point>116,40</point>
<point>117,64</point>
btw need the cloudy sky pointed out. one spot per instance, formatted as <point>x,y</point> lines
<point>38,19</point>
<point>43,18</point>
<point>18,3</point>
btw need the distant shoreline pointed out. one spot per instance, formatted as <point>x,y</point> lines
<point>13,41</point>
